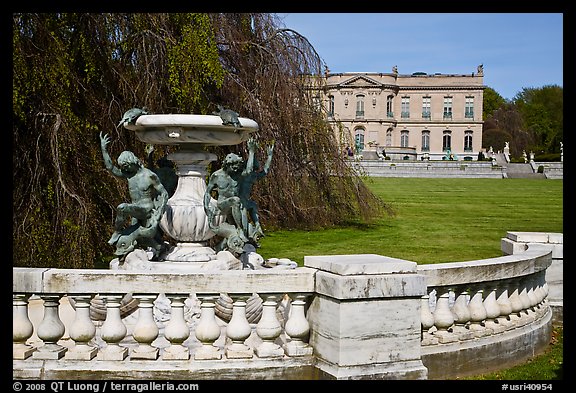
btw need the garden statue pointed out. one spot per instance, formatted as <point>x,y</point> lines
<point>164,168</point>
<point>359,147</point>
<point>228,116</point>
<point>252,173</point>
<point>136,223</point>
<point>225,181</point>
<point>233,185</point>
<point>131,115</point>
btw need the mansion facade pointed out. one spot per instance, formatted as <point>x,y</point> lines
<point>415,116</point>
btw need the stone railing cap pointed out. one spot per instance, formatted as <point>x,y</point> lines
<point>358,264</point>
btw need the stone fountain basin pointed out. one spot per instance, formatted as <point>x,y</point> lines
<point>182,129</point>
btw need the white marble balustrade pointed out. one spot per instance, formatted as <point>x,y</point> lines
<point>344,317</point>
<point>465,312</point>
<point>269,337</point>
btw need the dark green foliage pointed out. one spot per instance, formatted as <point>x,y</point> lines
<point>552,157</point>
<point>74,75</point>
<point>543,112</point>
<point>491,102</point>
<point>533,120</point>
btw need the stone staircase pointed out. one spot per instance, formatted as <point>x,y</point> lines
<point>522,171</point>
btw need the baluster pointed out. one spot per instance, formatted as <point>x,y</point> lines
<point>443,317</point>
<point>208,330</point>
<point>22,328</point>
<point>145,330</point>
<point>82,330</point>
<point>541,281</point>
<point>269,329</point>
<point>238,330</point>
<point>427,322</point>
<point>477,314</point>
<point>530,282</point>
<point>504,304</point>
<point>546,289</point>
<point>50,330</point>
<point>492,311</point>
<point>515,301</point>
<point>113,330</point>
<point>462,316</point>
<point>297,328</point>
<point>524,297</point>
<point>176,330</point>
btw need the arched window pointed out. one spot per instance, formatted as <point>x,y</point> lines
<point>389,107</point>
<point>468,141</point>
<point>359,139</point>
<point>425,140</point>
<point>447,141</point>
<point>404,138</point>
<point>389,137</point>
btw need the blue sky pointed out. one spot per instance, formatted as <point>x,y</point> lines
<point>517,49</point>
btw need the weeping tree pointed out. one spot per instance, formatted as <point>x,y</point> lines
<point>74,75</point>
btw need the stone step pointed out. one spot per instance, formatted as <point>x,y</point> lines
<point>519,175</point>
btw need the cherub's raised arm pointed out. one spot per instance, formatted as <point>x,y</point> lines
<point>104,141</point>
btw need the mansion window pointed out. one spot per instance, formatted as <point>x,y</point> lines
<point>447,141</point>
<point>316,103</point>
<point>404,138</point>
<point>389,138</point>
<point>425,107</point>
<point>468,141</point>
<point>331,106</point>
<point>389,107</point>
<point>359,139</point>
<point>425,140</point>
<point>469,108</point>
<point>405,107</point>
<point>360,106</point>
<point>447,107</point>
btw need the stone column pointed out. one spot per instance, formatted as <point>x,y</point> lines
<point>365,320</point>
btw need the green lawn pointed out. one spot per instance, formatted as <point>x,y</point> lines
<point>444,220</point>
<point>547,366</point>
<point>437,220</point>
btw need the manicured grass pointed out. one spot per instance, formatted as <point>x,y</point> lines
<point>546,366</point>
<point>444,220</point>
<point>437,220</point>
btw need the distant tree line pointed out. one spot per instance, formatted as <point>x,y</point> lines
<point>75,74</point>
<point>531,122</point>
